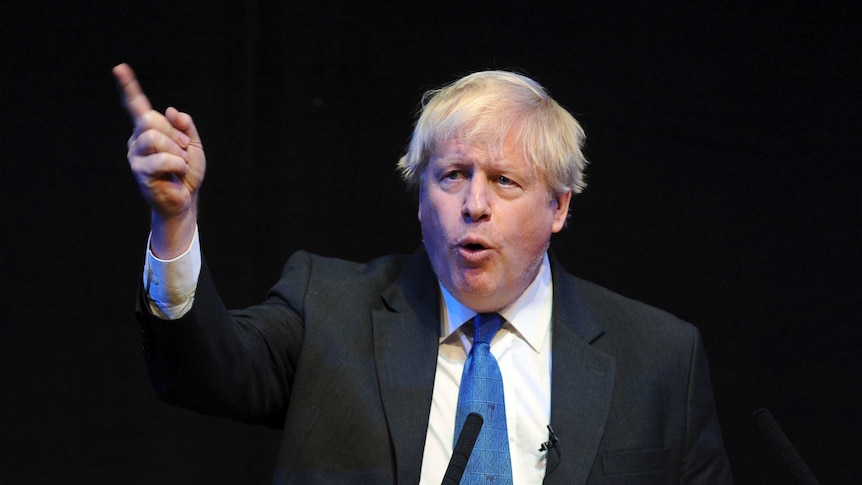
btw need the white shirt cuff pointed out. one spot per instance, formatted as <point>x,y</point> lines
<point>170,285</point>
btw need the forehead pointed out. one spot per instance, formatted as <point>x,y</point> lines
<point>502,155</point>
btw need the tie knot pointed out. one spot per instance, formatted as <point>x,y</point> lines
<point>485,326</point>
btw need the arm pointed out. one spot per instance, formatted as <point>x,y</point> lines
<point>704,459</point>
<point>237,364</point>
<point>167,159</point>
<point>234,364</point>
<point>170,285</point>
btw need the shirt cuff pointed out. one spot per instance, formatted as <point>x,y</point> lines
<point>170,284</point>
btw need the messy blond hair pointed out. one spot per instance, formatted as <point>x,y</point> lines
<point>486,107</point>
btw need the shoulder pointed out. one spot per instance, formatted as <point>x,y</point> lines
<point>389,264</point>
<point>606,302</point>
<point>330,274</point>
<point>622,320</point>
<point>643,339</point>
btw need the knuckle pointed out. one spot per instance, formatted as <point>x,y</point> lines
<point>149,120</point>
<point>150,116</point>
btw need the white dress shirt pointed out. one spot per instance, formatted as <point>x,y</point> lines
<point>522,348</point>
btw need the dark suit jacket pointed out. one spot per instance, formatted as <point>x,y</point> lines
<point>342,356</point>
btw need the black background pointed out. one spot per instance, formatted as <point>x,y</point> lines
<point>725,154</point>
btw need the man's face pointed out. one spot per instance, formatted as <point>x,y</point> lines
<point>487,220</point>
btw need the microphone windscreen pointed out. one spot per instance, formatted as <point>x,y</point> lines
<point>463,449</point>
<point>781,445</point>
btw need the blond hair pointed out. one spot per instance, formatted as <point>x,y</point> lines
<point>486,107</point>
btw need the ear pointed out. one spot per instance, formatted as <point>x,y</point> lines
<point>561,212</point>
<point>421,197</point>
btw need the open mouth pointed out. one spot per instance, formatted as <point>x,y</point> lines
<point>473,247</point>
<point>474,251</point>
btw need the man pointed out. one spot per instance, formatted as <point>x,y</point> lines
<point>364,365</point>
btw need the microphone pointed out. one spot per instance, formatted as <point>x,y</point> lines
<point>780,444</point>
<point>552,442</point>
<point>463,449</point>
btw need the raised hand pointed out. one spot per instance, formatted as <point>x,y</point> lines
<point>167,159</point>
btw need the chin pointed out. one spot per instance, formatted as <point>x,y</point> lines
<point>481,299</point>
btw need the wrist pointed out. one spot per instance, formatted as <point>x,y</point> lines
<point>172,236</point>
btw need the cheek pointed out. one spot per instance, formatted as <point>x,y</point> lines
<point>533,231</point>
<point>426,214</point>
<point>433,211</point>
<point>430,224</point>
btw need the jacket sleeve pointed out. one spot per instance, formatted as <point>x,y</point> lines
<point>704,460</point>
<point>237,364</point>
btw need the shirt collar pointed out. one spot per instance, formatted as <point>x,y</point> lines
<point>529,316</point>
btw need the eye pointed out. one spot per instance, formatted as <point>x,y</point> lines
<point>503,180</point>
<point>453,175</point>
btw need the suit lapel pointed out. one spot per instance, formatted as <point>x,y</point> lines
<point>582,382</point>
<point>406,339</point>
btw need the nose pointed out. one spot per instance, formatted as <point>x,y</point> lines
<point>476,200</point>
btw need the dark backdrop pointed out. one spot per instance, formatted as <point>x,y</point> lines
<point>724,143</point>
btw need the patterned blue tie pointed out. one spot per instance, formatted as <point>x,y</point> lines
<point>482,392</point>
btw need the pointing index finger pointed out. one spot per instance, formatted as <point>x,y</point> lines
<point>134,99</point>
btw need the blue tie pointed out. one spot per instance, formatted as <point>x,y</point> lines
<point>482,392</point>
